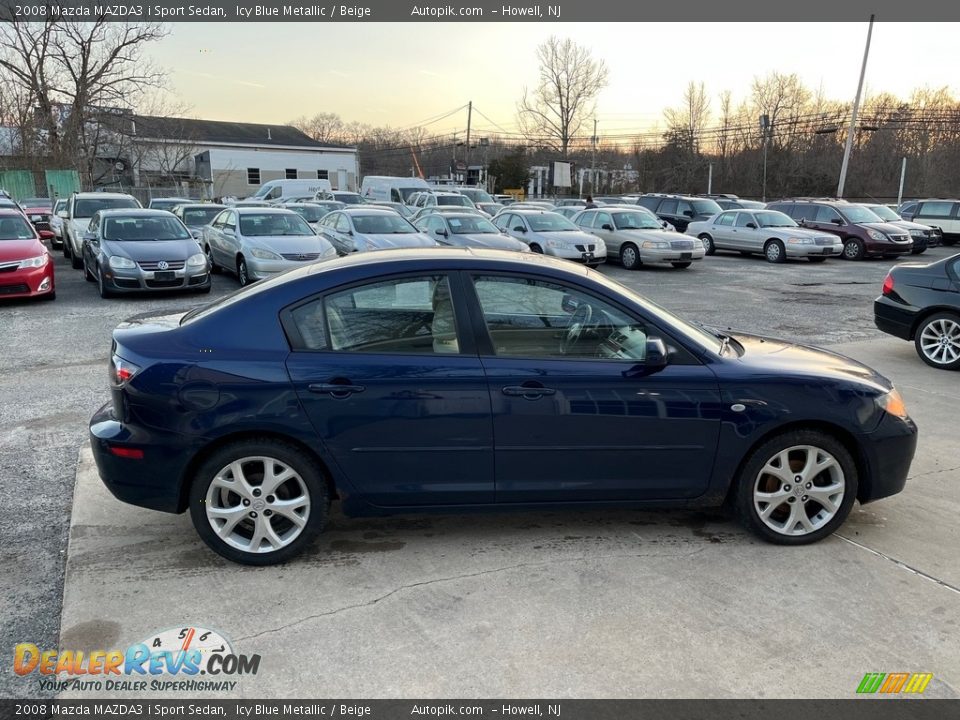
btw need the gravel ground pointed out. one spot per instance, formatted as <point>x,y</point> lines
<point>53,377</point>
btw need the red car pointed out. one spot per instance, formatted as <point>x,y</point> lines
<point>39,217</point>
<point>26,268</point>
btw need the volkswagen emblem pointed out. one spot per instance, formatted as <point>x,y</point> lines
<point>162,265</point>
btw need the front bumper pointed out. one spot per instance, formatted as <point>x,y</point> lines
<point>27,283</point>
<point>589,257</point>
<point>800,250</point>
<point>152,482</point>
<point>888,452</point>
<point>139,280</point>
<point>886,247</point>
<point>650,256</point>
<point>259,269</point>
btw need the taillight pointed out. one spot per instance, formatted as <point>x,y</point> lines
<point>125,452</point>
<point>121,371</point>
<point>888,284</point>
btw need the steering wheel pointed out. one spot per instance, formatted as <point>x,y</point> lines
<point>579,321</point>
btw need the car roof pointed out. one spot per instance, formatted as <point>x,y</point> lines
<point>102,195</point>
<point>270,209</point>
<point>9,211</point>
<point>190,206</point>
<point>134,212</point>
<point>531,211</point>
<point>366,210</point>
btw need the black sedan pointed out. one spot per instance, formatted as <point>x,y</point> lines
<point>922,303</point>
<point>135,250</point>
<point>439,379</point>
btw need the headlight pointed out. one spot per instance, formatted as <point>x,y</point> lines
<point>876,235</point>
<point>800,241</point>
<point>121,263</point>
<point>893,403</point>
<point>34,262</point>
<point>601,247</point>
<point>265,254</point>
<point>655,245</point>
<point>198,260</point>
<point>918,234</point>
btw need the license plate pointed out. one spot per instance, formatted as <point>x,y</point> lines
<point>587,257</point>
<point>165,275</point>
<point>686,256</point>
<point>828,251</point>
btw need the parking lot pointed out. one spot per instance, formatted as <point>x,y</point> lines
<point>587,604</point>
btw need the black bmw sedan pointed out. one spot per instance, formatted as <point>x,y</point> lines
<point>446,379</point>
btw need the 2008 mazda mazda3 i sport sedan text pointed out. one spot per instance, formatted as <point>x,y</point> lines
<point>448,379</point>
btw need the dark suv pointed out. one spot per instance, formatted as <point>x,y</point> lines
<point>679,210</point>
<point>863,233</point>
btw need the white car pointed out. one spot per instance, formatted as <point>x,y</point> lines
<point>76,218</point>
<point>56,222</point>
<point>552,234</point>
<point>362,229</point>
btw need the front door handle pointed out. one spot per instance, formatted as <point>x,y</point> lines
<point>528,392</point>
<point>336,390</point>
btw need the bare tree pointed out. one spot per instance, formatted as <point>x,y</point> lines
<point>565,96</point>
<point>690,119</point>
<point>322,127</point>
<point>72,72</point>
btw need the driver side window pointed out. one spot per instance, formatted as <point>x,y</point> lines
<point>537,319</point>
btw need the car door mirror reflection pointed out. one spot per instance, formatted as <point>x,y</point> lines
<point>656,355</point>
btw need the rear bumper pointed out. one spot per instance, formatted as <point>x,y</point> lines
<point>893,318</point>
<point>151,482</point>
<point>888,452</point>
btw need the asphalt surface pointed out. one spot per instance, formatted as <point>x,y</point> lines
<point>53,376</point>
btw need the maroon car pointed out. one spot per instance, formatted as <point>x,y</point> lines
<point>863,233</point>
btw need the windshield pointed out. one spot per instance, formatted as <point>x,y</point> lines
<point>194,217</point>
<point>144,228</point>
<point>15,227</point>
<point>858,214</point>
<point>633,220</point>
<point>771,218</point>
<point>550,222</point>
<point>405,193</point>
<point>461,200</point>
<point>382,224</point>
<point>272,224</point>
<point>478,196</point>
<point>310,213</point>
<point>463,224</point>
<point>884,213</point>
<point>86,207</point>
<point>348,198</point>
<point>164,203</point>
<point>706,207</point>
<point>36,203</point>
<point>61,205</point>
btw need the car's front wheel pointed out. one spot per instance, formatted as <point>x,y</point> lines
<point>797,487</point>
<point>259,502</point>
<point>243,274</point>
<point>938,341</point>
<point>629,256</point>
<point>708,245</point>
<point>854,249</point>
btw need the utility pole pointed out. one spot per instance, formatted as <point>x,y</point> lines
<point>710,180</point>
<point>853,116</point>
<point>765,128</point>
<point>593,161</point>
<point>467,161</point>
<point>903,176</point>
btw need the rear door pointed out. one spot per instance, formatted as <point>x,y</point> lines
<point>387,372</point>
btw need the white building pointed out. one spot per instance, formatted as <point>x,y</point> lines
<point>230,158</point>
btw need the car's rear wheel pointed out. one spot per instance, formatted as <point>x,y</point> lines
<point>536,248</point>
<point>774,251</point>
<point>87,275</point>
<point>259,502</point>
<point>708,245</point>
<point>629,256</point>
<point>938,341</point>
<point>243,275</point>
<point>102,286</point>
<point>797,487</point>
<point>853,249</point>
<point>682,265</point>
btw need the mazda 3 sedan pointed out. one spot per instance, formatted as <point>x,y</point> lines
<point>444,379</point>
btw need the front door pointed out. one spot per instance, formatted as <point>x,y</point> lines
<point>577,416</point>
<point>395,391</point>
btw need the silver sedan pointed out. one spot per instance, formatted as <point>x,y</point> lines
<point>769,232</point>
<point>552,234</point>
<point>636,237</point>
<point>364,228</point>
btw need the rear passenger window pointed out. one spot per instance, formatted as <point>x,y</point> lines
<point>669,207</point>
<point>936,209</point>
<point>586,220</point>
<point>725,219</point>
<point>650,203</point>
<point>825,213</point>
<point>804,212</point>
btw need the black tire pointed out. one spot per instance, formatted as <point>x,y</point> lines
<point>87,275</point>
<point>853,249</point>
<point>775,252</point>
<point>214,268</point>
<point>536,248</point>
<point>66,247</point>
<point>204,290</point>
<point>708,245</point>
<point>750,474</point>
<point>946,320</point>
<point>919,251</point>
<point>76,262</point>
<point>101,286</point>
<point>681,265</point>
<point>303,464</point>
<point>630,256</point>
<point>815,259</point>
<point>243,275</point>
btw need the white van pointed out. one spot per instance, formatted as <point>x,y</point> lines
<point>275,190</point>
<point>390,188</point>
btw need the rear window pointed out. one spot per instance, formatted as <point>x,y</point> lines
<point>461,200</point>
<point>86,207</point>
<point>936,209</point>
<point>200,216</point>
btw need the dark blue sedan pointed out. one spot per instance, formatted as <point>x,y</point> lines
<point>448,379</point>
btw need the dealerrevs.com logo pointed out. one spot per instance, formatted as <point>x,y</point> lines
<point>172,660</point>
<point>893,683</point>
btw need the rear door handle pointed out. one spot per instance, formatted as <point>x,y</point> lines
<point>336,390</point>
<point>527,392</point>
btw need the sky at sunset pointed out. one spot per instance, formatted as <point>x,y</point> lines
<point>401,74</point>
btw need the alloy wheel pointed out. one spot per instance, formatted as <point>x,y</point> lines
<point>257,504</point>
<point>799,490</point>
<point>940,341</point>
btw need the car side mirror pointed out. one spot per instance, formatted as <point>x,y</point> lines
<point>752,226</point>
<point>520,229</point>
<point>607,226</point>
<point>443,233</point>
<point>837,221</point>
<point>656,356</point>
<point>688,213</point>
